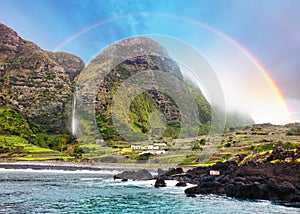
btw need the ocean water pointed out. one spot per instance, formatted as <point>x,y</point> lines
<point>29,191</point>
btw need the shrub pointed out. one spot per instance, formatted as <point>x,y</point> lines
<point>145,156</point>
<point>190,159</point>
<point>197,146</point>
<point>228,145</point>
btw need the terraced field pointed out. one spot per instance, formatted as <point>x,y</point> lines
<point>17,148</point>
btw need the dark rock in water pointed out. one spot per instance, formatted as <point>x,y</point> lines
<point>142,174</point>
<point>191,191</point>
<point>160,182</point>
<point>191,195</point>
<point>124,180</point>
<point>181,184</point>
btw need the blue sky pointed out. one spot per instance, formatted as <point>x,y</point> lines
<point>268,29</point>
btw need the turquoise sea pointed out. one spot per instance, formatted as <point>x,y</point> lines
<point>49,191</point>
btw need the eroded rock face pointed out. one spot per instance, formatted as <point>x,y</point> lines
<point>36,82</point>
<point>72,64</point>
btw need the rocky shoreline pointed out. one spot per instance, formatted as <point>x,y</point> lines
<point>74,166</point>
<point>48,167</point>
<point>278,182</point>
<point>275,182</point>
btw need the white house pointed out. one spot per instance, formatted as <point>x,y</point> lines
<point>148,147</point>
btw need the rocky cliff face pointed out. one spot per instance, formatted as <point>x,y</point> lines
<point>40,83</point>
<point>118,63</point>
<point>36,82</point>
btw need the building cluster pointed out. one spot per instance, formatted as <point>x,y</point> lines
<point>153,149</point>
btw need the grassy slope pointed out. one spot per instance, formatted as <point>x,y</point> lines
<point>254,143</point>
<point>23,140</point>
<point>18,148</point>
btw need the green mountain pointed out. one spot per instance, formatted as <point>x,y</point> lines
<point>37,88</point>
<point>36,82</point>
<point>114,66</point>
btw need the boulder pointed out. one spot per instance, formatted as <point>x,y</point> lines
<point>191,191</point>
<point>142,174</point>
<point>191,195</point>
<point>181,184</point>
<point>160,182</point>
<point>170,172</point>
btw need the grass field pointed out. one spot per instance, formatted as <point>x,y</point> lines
<point>18,148</point>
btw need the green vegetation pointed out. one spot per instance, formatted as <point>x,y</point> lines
<point>198,144</point>
<point>20,137</point>
<point>294,131</point>
<point>35,83</point>
<point>35,87</point>
<point>190,159</point>
<point>12,122</point>
<point>146,106</point>
<point>145,156</point>
<point>29,142</point>
<point>18,148</point>
<point>252,147</point>
<point>107,128</point>
<point>172,130</point>
<point>140,111</point>
<point>204,164</point>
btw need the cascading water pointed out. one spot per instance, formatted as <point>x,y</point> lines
<point>73,113</point>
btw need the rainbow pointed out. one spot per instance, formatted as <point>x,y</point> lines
<point>243,49</point>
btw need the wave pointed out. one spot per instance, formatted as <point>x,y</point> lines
<point>148,183</point>
<point>104,172</point>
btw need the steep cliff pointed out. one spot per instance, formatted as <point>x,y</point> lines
<point>124,60</point>
<point>36,82</point>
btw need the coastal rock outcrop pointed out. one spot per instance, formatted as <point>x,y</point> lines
<point>169,172</point>
<point>275,182</point>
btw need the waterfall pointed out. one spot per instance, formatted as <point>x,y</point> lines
<point>74,124</point>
